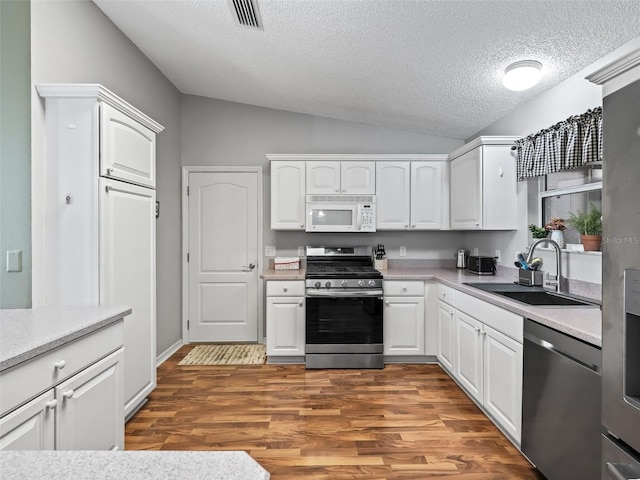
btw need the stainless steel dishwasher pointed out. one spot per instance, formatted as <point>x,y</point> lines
<point>561,400</point>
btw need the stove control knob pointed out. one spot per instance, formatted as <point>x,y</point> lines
<point>328,284</point>
<point>344,283</point>
<point>317,285</point>
<point>372,283</point>
<point>361,283</point>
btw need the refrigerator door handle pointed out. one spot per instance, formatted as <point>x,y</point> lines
<point>620,471</point>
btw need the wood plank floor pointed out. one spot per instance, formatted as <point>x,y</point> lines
<point>403,422</point>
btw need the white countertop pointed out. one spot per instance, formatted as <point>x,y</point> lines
<point>27,333</point>
<point>584,323</point>
<point>165,465</point>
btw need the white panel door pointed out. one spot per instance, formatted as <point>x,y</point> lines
<point>223,255</point>
<point>90,407</point>
<point>287,195</point>
<point>468,369</point>
<point>323,178</point>
<point>392,195</point>
<point>127,148</point>
<point>426,195</point>
<point>503,381</point>
<point>31,427</point>
<point>403,326</point>
<point>128,277</point>
<point>358,178</point>
<point>466,191</point>
<point>446,336</point>
<point>285,326</point>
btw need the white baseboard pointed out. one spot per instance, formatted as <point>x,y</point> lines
<point>164,356</point>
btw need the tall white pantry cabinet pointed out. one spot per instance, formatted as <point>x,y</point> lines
<point>100,216</point>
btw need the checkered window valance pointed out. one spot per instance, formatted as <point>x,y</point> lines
<point>569,144</point>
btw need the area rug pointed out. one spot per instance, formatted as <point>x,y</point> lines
<point>226,354</point>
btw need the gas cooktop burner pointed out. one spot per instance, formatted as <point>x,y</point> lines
<point>339,271</point>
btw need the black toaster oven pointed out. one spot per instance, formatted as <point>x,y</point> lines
<point>482,265</point>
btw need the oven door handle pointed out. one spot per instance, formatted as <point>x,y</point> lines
<point>343,294</point>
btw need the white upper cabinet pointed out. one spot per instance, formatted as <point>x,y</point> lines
<point>427,195</point>
<point>127,148</point>
<point>483,185</point>
<point>393,195</point>
<point>288,195</point>
<point>334,178</point>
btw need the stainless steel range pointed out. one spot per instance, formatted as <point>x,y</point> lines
<point>344,309</point>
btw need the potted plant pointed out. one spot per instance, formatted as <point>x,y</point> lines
<point>537,232</point>
<point>556,226</point>
<point>589,226</point>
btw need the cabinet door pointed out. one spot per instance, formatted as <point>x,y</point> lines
<point>466,191</point>
<point>127,277</point>
<point>446,336</point>
<point>503,381</point>
<point>287,195</point>
<point>285,326</point>
<point>426,195</point>
<point>30,427</point>
<point>358,178</point>
<point>499,191</point>
<point>393,195</point>
<point>403,326</point>
<point>127,148</point>
<point>90,407</point>
<point>323,178</point>
<point>468,370</point>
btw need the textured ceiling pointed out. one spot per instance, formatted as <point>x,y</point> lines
<point>431,66</point>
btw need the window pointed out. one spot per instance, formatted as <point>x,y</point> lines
<point>568,191</point>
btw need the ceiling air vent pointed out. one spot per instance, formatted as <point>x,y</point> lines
<point>246,13</point>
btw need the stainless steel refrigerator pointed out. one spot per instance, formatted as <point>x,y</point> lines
<point>621,285</point>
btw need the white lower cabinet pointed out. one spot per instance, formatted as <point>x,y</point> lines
<point>403,318</point>
<point>468,365</point>
<point>78,403</point>
<point>285,318</point>
<point>446,336</point>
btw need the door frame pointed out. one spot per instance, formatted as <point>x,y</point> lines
<point>186,170</point>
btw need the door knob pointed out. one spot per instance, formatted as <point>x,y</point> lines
<point>248,268</point>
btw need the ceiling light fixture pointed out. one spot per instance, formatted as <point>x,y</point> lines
<point>522,75</point>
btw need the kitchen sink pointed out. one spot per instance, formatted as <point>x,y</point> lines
<point>536,296</point>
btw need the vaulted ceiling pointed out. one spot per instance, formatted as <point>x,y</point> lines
<point>431,66</point>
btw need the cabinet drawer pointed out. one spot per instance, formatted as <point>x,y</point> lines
<point>400,287</point>
<point>285,289</point>
<point>447,294</point>
<point>498,318</point>
<point>28,379</point>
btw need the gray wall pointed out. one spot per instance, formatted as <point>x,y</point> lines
<point>216,132</point>
<point>15,150</point>
<point>74,42</point>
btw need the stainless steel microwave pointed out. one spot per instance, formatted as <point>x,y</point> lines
<point>341,213</point>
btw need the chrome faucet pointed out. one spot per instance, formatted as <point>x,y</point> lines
<point>557,281</point>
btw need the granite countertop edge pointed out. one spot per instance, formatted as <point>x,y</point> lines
<point>40,325</point>
<point>582,323</point>
<point>133,465</point>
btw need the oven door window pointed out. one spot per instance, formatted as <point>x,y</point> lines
<point>322,217</point>
<point>351,320</point>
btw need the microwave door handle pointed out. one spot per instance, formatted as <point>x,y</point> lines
<point>359,218</point>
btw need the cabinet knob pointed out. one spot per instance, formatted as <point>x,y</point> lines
<point>68,394</point>
<point>302,225</point>
<point>404,289</point>
<point>59,365</point>
<point>52,404</point>
<point>109,171</point>
<point>484,333</point>
<point>301,303</point>
<point>406,226</point>
<point>477,330</point>
<point>387,302</point>
<point>285,289</point>
<point>337,190</point>
<point>444,295</point>
<point>413,226</point>
<point>451,314</point>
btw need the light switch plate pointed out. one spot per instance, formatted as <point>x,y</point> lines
<point>270,251</point>
<point>403,251</point>
<point>301,251</point>
<point>14,260</point>
<point>475,252</point>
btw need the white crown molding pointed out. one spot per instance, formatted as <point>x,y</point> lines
<point>617,74</point>
<point>478,141</point>
<point>99,93</point>
<point>332,157</point>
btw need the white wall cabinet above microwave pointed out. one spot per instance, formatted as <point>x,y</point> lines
<point>483,185</point>
<point>339,178</point>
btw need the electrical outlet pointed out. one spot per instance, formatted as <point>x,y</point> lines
<point>270,251</point>
<point>301,251</point>
<point>475,251</point>
<point>403,251</point>
<point>497,255</point>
